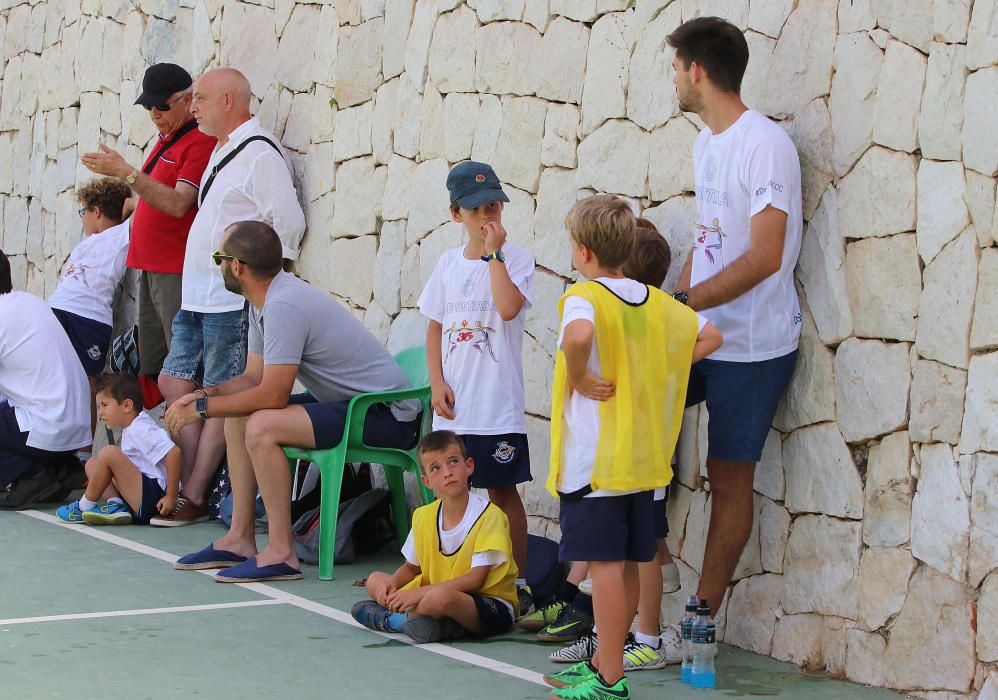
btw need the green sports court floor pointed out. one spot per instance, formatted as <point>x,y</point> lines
<point>100,612</point>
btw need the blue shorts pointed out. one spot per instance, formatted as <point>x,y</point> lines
<point>381,428</point>
<point>151,493</point>
<point>493,615</point>
<point>500,460</point>
<point>209,349</point>
<point>741,401</point>
<point>90,339</point>
<point>608,528</point>
<point>660,519</point>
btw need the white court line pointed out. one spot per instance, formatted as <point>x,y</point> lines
<point>140,611</point>
<point>281,596</point>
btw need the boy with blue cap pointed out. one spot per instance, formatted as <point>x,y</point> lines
<point>476,302</point>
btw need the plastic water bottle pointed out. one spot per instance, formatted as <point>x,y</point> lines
<point>704,649</point>
<point>686,634</point>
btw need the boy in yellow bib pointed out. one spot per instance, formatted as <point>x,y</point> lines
<point>459,575</point>
<point>619,389</point>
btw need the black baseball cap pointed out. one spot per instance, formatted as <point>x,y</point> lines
<point>472,184</point>
<point>160,82</point>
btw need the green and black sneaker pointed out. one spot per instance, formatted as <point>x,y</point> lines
<point>570,624</point>
<point>542,617</point>
<point>575,674</point>
<point>594,689</point>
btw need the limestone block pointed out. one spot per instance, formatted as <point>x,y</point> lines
<point>431,135</point>
<point>797,639</point>
<point>990,689</point>
<point>349,11</point>
<point>980,416</point>
<point>769,17</point>
<point>428,205</point>
<point>408,330</point>
<point>518,161</point>
<point>435,245</point>
<point>883,583</point>
<point>821,568</point>
<point>981,203</point>
<point>357,198</point>
<point>460,113</point>
<point>110,66</point>
<point>937,393</point>
<point>821,476</point>
<point>556,194</point>
<point>774,531</point>
<point>871,388</point>
<point>398,189</point>
<point>940,513</point>
<point>676,511</point>
<point>878,197</point>
<point>506,55</point>
<point>398,19</point>
<point>696,531</point>
<point>651,103</point>
<point>388,280</point>
<point>853,98</point>
<point>758,72</point>
<point>537,14</point>
<point>15,226</point>
<point>417,47</point>
<point>810,397</point>
<point>984,521</point>
<point>581,10</point>
<point>942,211</point>
<point>255,59</point>
<point>202,41</point>
<point>982,37</point>
<point>899,95</point>
<point>987,616</point>
<point>674,219</point>
<point>980,148</point>
<point>768,479</point>
<point>562,52</point>
<point>411,285</point>
<point>324,110</point>
<point>483,146</point>
<point>940,123</point>
<point>752,608</point>
<point>750,561</point>
<point>518,217</point>
<point>538,375</point>
<point>947,303</point>
<point>614,158</point>
<point>91,49</point>
<point>407,119</point>
<point>535,497</point>
<point>452,53</point>
<point>299,32</point>
<point>931,643</point>
<point>951,19</point>
<point>561,135</point>
<point>358,62</point>
<point>865,658</point>
<point>603,94</point>
<point>670,163</point>
<point>377,320</point>
<point>10,94</point>
<point>313,264</point>
<point>804,51</point>
<point>908,20</point>
<point>883,285</point>
<point>811,132</point>
<point>823,272</point>
<point>889,490</point>
<point>543,322</point>
<point>298,130</point>
<point>984,333</point>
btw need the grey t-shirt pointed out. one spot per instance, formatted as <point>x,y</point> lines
<point>337,356</point>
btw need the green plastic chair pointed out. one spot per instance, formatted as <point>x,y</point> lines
<point>352,449</point>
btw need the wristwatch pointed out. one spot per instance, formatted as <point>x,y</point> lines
<point>202,407</point>
<point>130,179</point>
<point>682,297</point>
<point>498,255</point>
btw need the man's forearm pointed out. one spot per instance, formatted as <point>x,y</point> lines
<point>235,385</point>
<point>243,403</point>
<point>728,284</point>
<point>168,200</point>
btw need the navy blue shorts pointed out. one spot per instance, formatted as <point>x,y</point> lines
<point>660,518</point>
<point>16,458</point>
<point>741,401</point>
<point>500,460</point>
<point>151,493</point>
<point>381,428</point>
<point>493,615</point>
<point>608,528</point>
<point>90,339</point>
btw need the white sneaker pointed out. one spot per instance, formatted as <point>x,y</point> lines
<point>672,645</point>
<point>639,656</point>
<point>670,578</point>
<point>582,650</point>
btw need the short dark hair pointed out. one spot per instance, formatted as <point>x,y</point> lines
<point>440,440</point>
<point>650,257</point>
<point>257,246</point>
<point>106,193</point>
<point>119,387</point>
<point>717,45</point>
<point>6,283</point>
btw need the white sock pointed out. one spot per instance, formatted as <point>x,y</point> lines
<point>652,640</point>
<point>521,583</point>
<point>116,499</point>
<point>86,503</point>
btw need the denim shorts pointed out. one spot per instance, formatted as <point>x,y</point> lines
<point>608,528</point>
<point>209,349</point>
<point>741,401</point>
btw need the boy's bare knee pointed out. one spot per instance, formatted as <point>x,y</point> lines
<point>108,451</point>
<point>437,602</point>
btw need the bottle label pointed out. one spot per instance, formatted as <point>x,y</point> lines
<point>686,629</point>
<point>703,635</point>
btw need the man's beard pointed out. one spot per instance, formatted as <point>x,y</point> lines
<point>231,283</point>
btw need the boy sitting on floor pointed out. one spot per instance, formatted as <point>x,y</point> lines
<point>133,482</point>
<point>459,575</point>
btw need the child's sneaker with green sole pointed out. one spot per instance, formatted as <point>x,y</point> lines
<point>575,674</point>
<point>542,617</point>
<point>108,513</point>
<point>594,689</point>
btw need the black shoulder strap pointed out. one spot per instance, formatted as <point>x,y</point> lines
<point>225,161</point>
<point>181,132</point>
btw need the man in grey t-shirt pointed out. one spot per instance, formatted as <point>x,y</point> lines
<point>296,331</point>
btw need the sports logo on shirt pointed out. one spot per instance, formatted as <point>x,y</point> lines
<point>468,288</point>
<point>710,239</point>
<point>504,453</point>
<point>76,271</point>
<point>465,335</point>
<point>709,169</point>
<point>94,352</point>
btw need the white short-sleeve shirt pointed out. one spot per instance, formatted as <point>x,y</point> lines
<point>92,274</point>
<point>146,444</point>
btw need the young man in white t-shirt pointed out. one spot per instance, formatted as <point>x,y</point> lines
<point>476,301</point>
<point>747,238</point>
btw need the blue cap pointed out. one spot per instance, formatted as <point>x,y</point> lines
<point>472,184</point>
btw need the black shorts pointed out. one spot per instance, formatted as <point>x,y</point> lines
<point>151,493</point>
<point>493,615</point>
<point>608,528</point>
<point>500,460</point>
<point>381,428</point>
<point>90,339</point>
<point>16,458</point>
<point>660,520</point>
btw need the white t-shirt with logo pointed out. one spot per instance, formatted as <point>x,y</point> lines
<point>479,351</point>
<point>147,444</point>
<point>580,415</point>
<point>92,274</point>
<point>750,165</point>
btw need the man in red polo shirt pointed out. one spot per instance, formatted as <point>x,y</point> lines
<point>167,189</point>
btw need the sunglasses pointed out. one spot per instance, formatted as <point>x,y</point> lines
<point>162,107</point>
<point>217,257</point>
<point>82,210</point>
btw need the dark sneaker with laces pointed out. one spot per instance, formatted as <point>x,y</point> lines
<point>582,650</point>
<point>372,615</point>
<point>570,624</point>
<point>184,513</point>
<point>541,617</point>
<point>525,598</point>
<point>425,630</point>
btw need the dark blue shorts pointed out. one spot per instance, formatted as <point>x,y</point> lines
<point>381,428</point>
<point>90,339</point>
<point>500,460</point>
<point>660,518</point>
<point>151,493</point>
<point>493,615</point>
<point>608,528</point>
<point>741,401</point>
<point>16,458</point>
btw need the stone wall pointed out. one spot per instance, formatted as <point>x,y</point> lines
<point>876,540</point>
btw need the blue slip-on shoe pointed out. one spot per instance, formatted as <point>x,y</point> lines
<point>108,513</point>
<point>249,572</point>
<point>208,558</point>
<point>70,513</point>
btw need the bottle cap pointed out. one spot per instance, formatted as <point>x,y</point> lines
<point>703,609</point>
<point>692,604</point>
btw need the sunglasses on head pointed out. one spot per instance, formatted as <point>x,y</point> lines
<point>218,256</point>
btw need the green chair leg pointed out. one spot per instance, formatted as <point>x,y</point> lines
<point>331,474</point>
<point>400,506</point>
